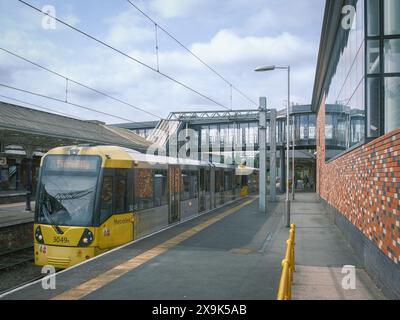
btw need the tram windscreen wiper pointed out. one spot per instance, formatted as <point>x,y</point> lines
<point>46,211</point>
<point>73,195</point>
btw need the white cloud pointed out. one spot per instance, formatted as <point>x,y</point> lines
<point>174,8</point>
<point>229,48</point>
<point>72,19</point>
<point>127,30</point>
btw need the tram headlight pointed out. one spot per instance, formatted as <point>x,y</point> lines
<point>38,235</point>
<point>86,239</point>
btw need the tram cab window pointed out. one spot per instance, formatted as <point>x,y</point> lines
<point>160,188</point>
<point>106,208</point>
<point>121,191</point>
<point>144,189</point>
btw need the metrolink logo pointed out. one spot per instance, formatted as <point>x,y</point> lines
<point>216,147</point>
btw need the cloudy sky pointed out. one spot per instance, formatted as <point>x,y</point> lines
<point>232,36</point>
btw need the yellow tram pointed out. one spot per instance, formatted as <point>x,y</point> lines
<point>91,199</point>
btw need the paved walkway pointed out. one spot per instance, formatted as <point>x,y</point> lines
<point>321,254</point>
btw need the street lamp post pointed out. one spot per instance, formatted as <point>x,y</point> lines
<point>293,157</point>
<point>272,68</point>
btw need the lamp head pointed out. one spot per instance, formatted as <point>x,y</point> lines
<point>265,68</point>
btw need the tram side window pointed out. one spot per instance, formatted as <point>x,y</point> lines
<point>194,184</point>
<point>190,181</point>
<point>160,188</point>
<point>219,180</point>
<point>144,189</point>
<point>106,208</point>
<point>228,181</point>
<point>207,181</point>
<point>121,191</point>
<point>202,180</point>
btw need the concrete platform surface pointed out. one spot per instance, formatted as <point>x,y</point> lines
<point>228,254</point>
<point>13,214</point>
<point>321,254</point>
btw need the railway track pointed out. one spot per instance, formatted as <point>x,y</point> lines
<point>17,269</point>
<point>15,258</point>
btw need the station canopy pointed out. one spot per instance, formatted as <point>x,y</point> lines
<point>42,130</point>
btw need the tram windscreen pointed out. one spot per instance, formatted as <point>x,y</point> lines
<point>67,190</point>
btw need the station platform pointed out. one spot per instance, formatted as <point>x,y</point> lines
<point>232,253</point>
<point>14,214</point>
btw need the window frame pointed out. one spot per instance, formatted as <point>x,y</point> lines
<point>382,75</point>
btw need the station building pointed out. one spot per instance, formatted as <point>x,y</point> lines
<point>359,72</point>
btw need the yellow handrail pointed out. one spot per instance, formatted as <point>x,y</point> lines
<point>288,267</point>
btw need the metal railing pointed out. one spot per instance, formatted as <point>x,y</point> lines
<point>288,267</point>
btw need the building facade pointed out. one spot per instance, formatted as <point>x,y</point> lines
<point>359,73</point>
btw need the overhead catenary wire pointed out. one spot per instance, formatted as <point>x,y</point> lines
<point>192,53</point>
<point>67,80</point>
<point>62,101</point>
<point>126,55</point>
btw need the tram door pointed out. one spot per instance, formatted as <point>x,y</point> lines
<point>202,190</point>
<point>174,177</point>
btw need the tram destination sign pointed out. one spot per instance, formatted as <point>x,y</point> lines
<point>60,163</point>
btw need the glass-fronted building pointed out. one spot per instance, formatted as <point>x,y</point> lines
<point>357,100</point>
<point>363,74</point>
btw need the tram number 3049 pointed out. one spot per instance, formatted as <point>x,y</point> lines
<point>63,240</point>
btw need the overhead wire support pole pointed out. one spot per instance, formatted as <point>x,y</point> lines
<point>158,61</point>
<point>66,89</point>
<point>262,133</point>
<point>288,154</point>
<point>126,55</point>
<point>293,156</point>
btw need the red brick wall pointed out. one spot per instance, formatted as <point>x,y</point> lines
<point>364,185</point>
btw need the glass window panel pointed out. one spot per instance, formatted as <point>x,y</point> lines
<point>392,55</point>
<point>373,105</point>
<point>121,191</point>
<point>144,189</point>
<point>373,57</point>
<point>214,135</point>
<point>392,17</point>
<point>160,188</point>
<point>304,127</point>
<point>328,126</point>
<point>312,125</point>
<point>392,103</point>
<point>373,18</point>
<point>106,208</point>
